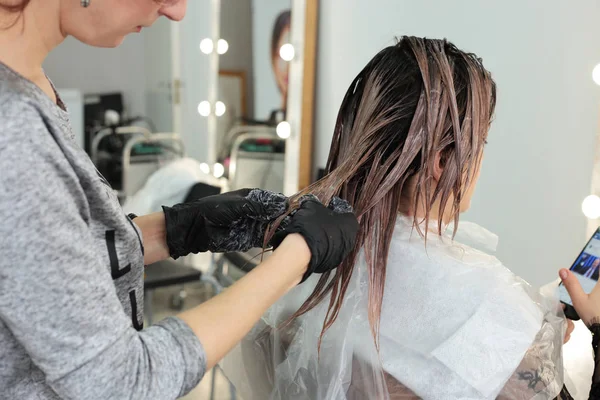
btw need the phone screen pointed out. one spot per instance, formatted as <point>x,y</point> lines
<point>586,268</point>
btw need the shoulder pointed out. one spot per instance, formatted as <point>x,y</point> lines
<point>18,111</point>
<point>13,92</point>
<point>19,101</point>
<point>26,140</point>
<point>454,281</point>
<point>23,123</point>
<point>457,303</point>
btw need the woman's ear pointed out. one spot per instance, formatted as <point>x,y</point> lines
<point>438,166</point>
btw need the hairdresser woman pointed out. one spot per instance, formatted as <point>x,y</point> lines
<point>71,264</point>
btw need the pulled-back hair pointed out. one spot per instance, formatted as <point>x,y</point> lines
<point>282,21</point>
<point>413,101</point>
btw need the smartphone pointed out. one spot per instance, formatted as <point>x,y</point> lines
<point>586,268</point>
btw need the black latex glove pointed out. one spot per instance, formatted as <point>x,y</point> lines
<point>330,236</point>
<point>223,223</point>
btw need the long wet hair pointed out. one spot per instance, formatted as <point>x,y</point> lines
<point>417,103</point>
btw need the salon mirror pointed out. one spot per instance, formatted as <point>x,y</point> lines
<point>265,84</point>
<point>235,80</point>
<point>264,106</point>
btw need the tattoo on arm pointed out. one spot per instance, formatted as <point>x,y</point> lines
<point>532,377</point>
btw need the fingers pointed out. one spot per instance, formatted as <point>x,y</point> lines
<point>596,289</point>
<point>350,222</point>
<point>310,205</point>
<point>264,206</point>
<point>570,328</point>
<point>339,206</point>
<point>567,338</point>
<point>238,193</point>
<point>251,209</point>
<point>573,287</point>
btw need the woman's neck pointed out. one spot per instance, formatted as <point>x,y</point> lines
<point>27,38</point>
<point>419,210</point>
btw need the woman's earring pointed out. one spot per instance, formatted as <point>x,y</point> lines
<point>85,3</point>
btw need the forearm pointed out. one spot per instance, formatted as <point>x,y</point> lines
<point>154,237</point>
<point>224,320</point>
<point>164,361</point>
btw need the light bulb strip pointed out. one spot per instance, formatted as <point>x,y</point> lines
<point>205,109</point>
<point>207,46</point>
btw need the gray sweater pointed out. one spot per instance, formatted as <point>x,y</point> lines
<point>71,272</point>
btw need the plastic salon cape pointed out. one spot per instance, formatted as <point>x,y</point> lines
<point>455,324</point>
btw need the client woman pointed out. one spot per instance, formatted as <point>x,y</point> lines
<point>412,312</point>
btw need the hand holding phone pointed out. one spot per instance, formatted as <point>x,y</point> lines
<point>579,289</point>
<point>586,304</point>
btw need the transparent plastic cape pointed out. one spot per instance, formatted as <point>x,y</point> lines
<point>455,324</point>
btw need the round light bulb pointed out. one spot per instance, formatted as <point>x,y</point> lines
<point>222,46</point>
<point>591,206</point>
<point>220,108</point>
<point>204,108</point>
<point>206,46</point>
<point>287,52</point>
<point>596,74</point>
<point>283,129</point>
<point>205,168</point>
<point>218,170</point>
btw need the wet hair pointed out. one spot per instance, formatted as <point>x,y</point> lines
<point>415,101</point>
<point>283,20</point>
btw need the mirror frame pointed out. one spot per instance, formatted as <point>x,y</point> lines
<point>305,172</point>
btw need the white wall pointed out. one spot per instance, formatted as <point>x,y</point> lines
<point>538,162</point>
<point>92,70</point>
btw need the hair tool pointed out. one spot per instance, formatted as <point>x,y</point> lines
<point>85,3</point>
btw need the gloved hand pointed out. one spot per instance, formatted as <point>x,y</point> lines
<point>330,236</point>
<point>223,223</point>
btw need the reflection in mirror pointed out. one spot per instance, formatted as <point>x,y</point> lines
<point>282,52</point>
<point>266,87</point>
<point>253,82</point>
